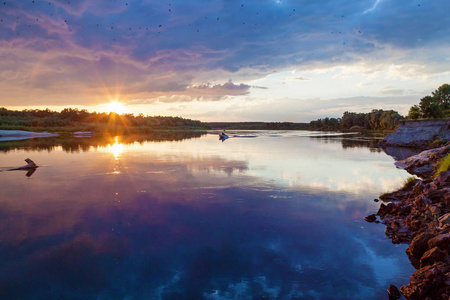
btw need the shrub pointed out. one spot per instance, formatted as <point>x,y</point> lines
<point>444,164</point>
<point>409,179</point>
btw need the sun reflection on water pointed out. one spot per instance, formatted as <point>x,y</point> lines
<point>117,148</point>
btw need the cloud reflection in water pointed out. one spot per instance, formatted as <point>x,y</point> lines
<point>195,220</point>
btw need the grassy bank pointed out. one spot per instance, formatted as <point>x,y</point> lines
<point>444,164</point>
<point>99,128</point>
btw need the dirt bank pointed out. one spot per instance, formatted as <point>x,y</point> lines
<point>423,134</point>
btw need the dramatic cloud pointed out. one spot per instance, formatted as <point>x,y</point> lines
<point>84,53</point>
<point>228,88</point>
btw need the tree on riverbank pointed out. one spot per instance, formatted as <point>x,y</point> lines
<point>71,119</point>
<point>377,119</point>
<point>433,107</point>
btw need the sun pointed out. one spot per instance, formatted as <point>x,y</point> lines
<point>115,107</point>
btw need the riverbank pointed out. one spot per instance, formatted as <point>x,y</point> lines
<point>421,134</point>
<point>419,214</point>
<point>15,135</point>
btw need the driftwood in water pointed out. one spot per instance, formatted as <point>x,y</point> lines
<point>30,166</point>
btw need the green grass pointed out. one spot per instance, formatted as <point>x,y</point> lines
<point>409,179</point>
<point>444,165</point>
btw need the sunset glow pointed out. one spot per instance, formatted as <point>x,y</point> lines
<point>117,148</point>
<point>115,107</point>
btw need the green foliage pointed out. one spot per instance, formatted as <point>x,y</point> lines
<point>444,164</point>
<point>377,119</point>
<point>409,179</point>
<point>433,107</point>
<point>325,124</point>
<point>430,108</point>
<point>442,96</point>
<point>414,113</point>
<point>258,125</point>
<point>70,119</point>
<point>437,143</point>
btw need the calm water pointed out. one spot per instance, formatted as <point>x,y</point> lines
<point>274,215</point>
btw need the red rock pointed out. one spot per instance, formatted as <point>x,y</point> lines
<point>437,196</point>
<point>418,188</point>
<point>443,178</point>
<point>371,218</point>
<point>442,241</point>
<point>426,282</point>
<point>388,197</point>
<point>419,245</point>
<point>393,292</point>
<point>432,256</point>
<point>385,209</point>
<point>445,219</point>
<point>421,210</point>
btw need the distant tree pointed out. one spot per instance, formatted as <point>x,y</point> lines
<point>442,96</point>
<point>430,107</point>
<point>374,118</point>
<point>414,113</point>
<point>377,119</point>
<point>347,120</point>
<point>71,117</point>
<point>435,106</point>
<point>389,119</point>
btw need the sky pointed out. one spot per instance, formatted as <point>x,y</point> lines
<point>243,60</point>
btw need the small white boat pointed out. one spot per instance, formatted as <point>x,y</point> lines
<point>223,136</point>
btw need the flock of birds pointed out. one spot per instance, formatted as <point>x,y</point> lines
<point>155,28</point>
<point>118,28</point>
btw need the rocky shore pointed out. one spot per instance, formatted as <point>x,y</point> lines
<point>419,214</point>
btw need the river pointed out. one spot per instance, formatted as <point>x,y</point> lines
<point>261,215</point>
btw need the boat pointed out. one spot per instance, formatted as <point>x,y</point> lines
<point>223,136</point>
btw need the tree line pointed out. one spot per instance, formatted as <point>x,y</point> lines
<point>430,107</point>
<point>435,106</point>
<point>75,118</point>
<point>258,125</point>
<point>377,119</point>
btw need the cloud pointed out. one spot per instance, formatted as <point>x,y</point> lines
<point>201,93</point>
<point>298,78</point>
<point>228,88</point>
<point>83,52</point>
<point>373,7</point>
<point>389,90</point>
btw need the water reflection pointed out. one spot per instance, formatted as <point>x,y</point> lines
<point>116,148</point>
<point>80,144</point>
<point>400,153</point>
<point>196,220</point>
<point>353,141</point>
